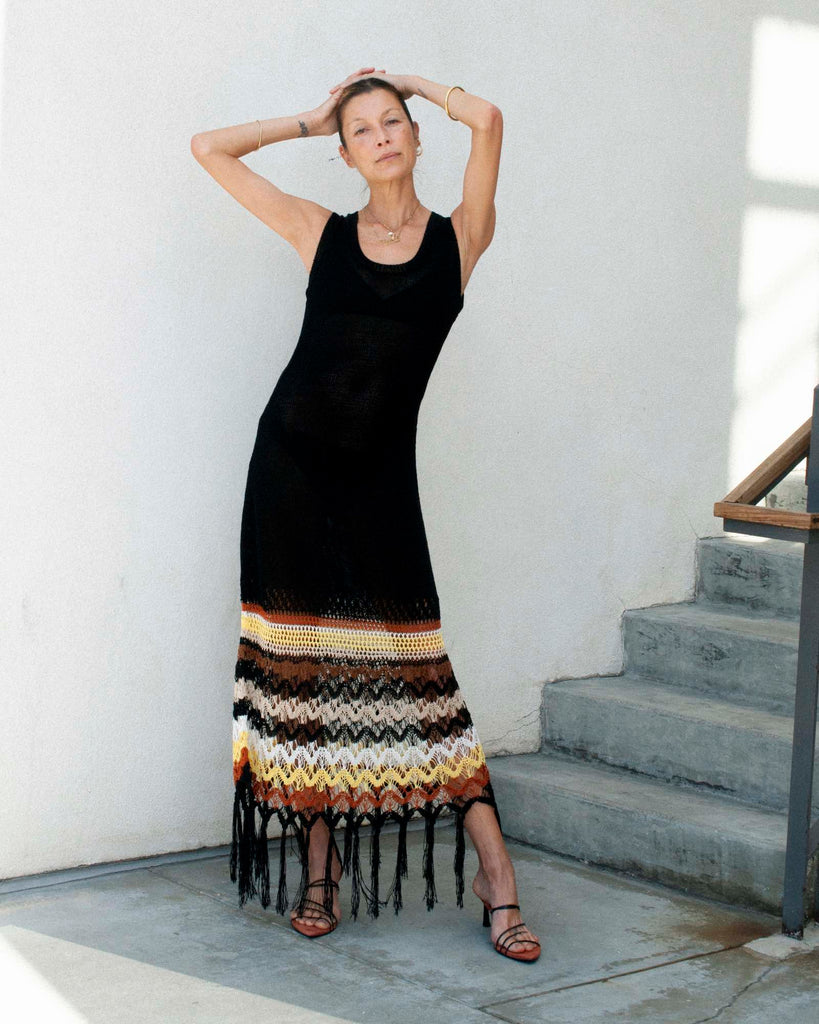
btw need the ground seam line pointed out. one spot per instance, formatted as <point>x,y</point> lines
<point>262,916</point>
<point>613,977</point>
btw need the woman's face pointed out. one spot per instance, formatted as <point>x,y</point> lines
<point>375,125</point>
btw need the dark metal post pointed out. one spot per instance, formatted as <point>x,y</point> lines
<point>801,839</point>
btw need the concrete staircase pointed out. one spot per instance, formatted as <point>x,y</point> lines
<point>678,769</point>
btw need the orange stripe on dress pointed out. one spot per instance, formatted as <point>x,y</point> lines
<point>374,625</point>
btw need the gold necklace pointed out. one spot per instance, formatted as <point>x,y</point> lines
<point>393,236</point>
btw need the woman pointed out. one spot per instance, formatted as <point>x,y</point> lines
<point>346,708</point>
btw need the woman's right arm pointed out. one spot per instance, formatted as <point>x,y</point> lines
<point>298,221</point>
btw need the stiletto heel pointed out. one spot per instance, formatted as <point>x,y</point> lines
<point>485,916</point>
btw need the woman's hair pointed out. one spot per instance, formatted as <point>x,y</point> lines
<point>359,87</point>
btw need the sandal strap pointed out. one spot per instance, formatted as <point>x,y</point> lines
<point>326,914</point>
<point>501,945</point>
<point>505,906</point>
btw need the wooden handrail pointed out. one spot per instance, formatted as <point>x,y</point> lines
<point>773,516</point>
<point>739,504</point>
<point>771,471</point>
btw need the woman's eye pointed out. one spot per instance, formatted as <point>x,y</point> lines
<point>392,120</point>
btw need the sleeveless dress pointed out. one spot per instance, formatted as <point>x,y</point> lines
<point>346,707</point>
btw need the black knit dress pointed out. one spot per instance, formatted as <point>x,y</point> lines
<point>346,707</point>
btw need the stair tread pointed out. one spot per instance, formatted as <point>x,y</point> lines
<point>677,768</point>
<point>674,806</point>
<point>675,701</point>
<point>708,615</point>
<point>786,548</point>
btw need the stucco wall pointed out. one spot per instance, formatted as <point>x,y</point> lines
<point>639,334</point>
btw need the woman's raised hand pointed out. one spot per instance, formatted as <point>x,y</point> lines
<point>402,83</point>
<point>323,118</point>
<point>361,73</point>
<point>323,121</point>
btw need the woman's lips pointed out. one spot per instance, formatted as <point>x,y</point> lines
<point>387,157</point>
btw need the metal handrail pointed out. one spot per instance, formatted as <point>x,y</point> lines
<point>740,515</point>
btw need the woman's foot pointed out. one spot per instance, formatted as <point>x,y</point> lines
<point>495,891</point>
<point>313,913</point>
<point>314,919</point>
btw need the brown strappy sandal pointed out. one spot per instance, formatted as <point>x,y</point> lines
<point>310,930</point>
<point>502,945</point>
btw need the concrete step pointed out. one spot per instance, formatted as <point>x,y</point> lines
<point>708,647</point>
<point>696,841</point>
<point>675,734</point>
<point>756,575</point>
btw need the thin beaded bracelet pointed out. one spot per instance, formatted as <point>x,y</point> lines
<point>446,101</point>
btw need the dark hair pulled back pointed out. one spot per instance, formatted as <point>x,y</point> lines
<point>361,86</point>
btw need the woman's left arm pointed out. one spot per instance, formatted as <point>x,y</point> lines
<point>474,218</point>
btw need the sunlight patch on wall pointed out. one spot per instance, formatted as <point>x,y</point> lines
<point>3,72</point>
<point>777,345</point>
<point>776,363</point>
<point>783,141</point>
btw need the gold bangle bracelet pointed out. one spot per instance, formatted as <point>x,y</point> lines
<point>260,133</point>
<point>446,101</point>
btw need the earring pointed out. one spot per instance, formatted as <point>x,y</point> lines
<point>419,149</point>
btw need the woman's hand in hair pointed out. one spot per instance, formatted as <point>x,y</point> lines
<point>361,73</point>
<point>322,120</point>
<point>405,84</point>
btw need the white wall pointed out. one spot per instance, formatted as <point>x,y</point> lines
<point>583,417</point>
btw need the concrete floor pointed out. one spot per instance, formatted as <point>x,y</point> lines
<point>166,941</point>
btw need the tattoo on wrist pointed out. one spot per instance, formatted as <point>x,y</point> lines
<point>303,129</point>
<point>420,91</point>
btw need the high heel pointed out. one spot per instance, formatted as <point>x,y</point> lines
<point>502,945</point>
<point>310,930</point>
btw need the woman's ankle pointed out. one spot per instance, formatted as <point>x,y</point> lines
<point>501,874</point>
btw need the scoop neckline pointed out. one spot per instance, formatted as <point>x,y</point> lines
<point>389,266</point>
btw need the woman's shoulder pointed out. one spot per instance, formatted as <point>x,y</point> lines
<point>317,225</point>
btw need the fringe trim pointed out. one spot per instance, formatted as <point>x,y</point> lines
<point>250,855</point>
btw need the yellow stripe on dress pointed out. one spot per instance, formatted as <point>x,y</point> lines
<point>320,778</point>
<point>283,638</point>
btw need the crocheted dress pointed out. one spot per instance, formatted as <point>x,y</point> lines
<point>346,707</point>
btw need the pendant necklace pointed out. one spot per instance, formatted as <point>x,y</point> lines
<point>394,236</point>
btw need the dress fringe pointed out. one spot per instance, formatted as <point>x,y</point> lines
<point>250,854</point>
